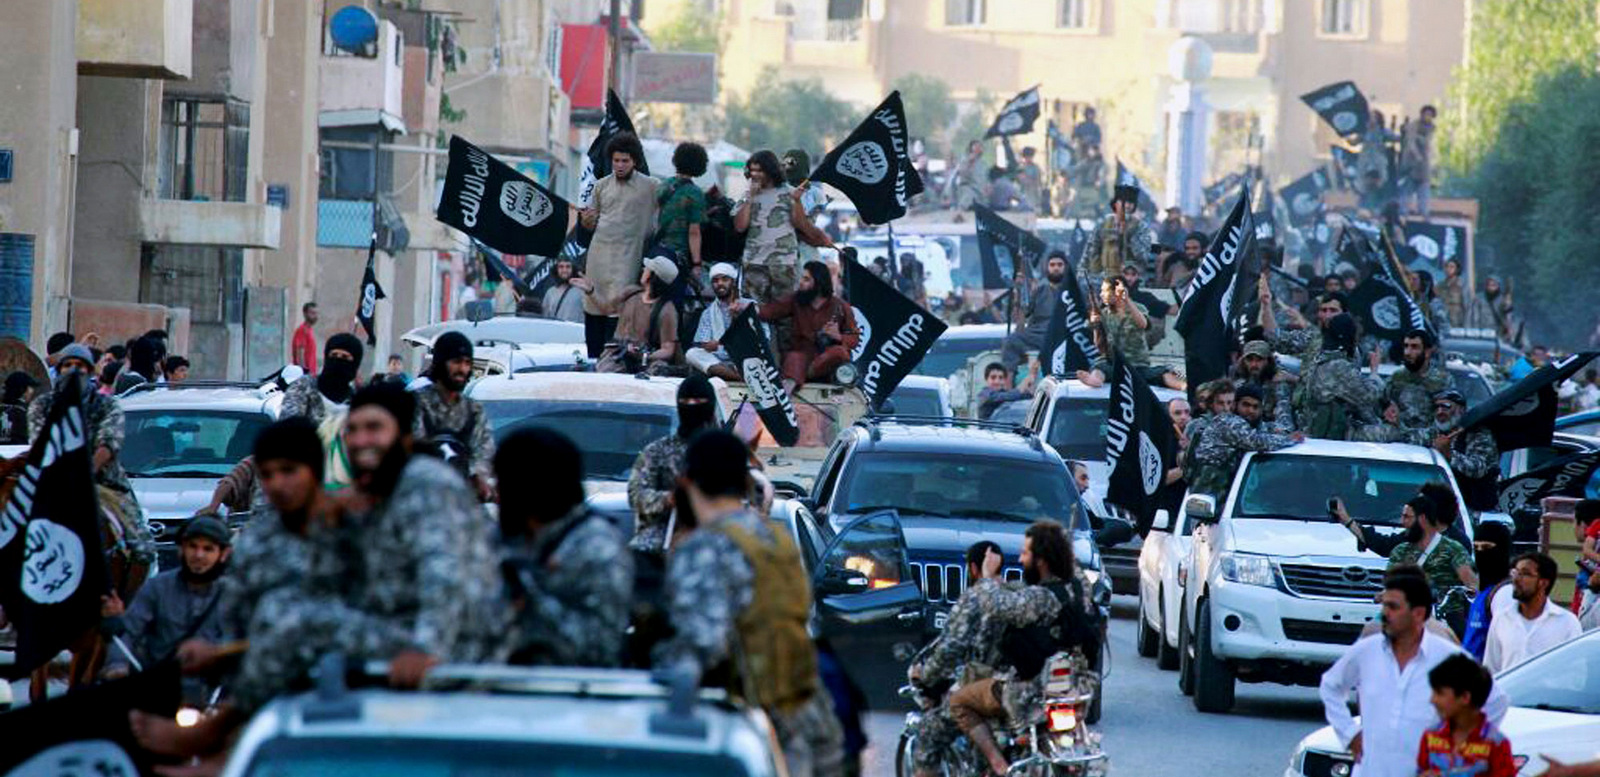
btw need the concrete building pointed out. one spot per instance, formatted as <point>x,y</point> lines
<point>1112,54</point>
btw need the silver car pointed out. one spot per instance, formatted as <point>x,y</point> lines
<point>183,438</point>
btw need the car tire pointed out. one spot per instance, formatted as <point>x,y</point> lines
<point>1185,659</point>
<point>1213,678</point>
<point>1147,635</point>
<point>1166,654</point>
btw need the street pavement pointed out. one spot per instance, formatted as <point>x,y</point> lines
<point>1150,729</point>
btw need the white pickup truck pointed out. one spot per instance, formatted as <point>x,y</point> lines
<point>1276,588</point>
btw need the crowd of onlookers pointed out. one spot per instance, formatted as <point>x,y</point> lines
<point>117,367</point>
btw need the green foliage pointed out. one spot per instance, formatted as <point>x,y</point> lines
<point>690,29</point>
<point>780,115</point>
<point>929,110</point>
<point>1515,44</point>
<point>447,113</point>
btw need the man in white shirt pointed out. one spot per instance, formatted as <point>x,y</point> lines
<point>1389,673</point>
<point>1535,625</point>
<point>708,355</point>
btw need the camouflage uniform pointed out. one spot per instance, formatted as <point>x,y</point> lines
<point>1190,456</point>
<point>1108,249</point>
<point>106,426</point>
<point>1024,701</point>
<point>1413,392</point>
<point>577,575</point>
<point>709,583</point>
<point>1333,397</point>
<point>266,556</point>
<point>1383,431</point>
<point>1124,336</point>
<point>1226,439</point>
<point>1475,453</point>
<point>1303,343</point>
<point>303,398</point>
<point>438,415</point>
<point>1277,405</point>
<point>650,486</point>
<point>969,649</point>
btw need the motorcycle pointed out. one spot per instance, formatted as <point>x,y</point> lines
<point>1054,741</point>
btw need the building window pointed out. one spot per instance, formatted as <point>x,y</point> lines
<point>1344,18</point>
<point>1076,14</point>
<point>353,168</point>
<point>205,149</point>
<point>959,13</point>
<point>1213,17</point>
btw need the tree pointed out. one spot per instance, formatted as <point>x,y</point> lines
<point>929,110</point>
<point>691,28</point>
<point>780,115</point>
<point>1522,116</point>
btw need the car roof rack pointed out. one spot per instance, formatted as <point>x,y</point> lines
<point>871,422</point>
<point>202,383</point>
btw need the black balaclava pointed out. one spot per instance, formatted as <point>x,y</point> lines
<point>1494,562</point>
<point>699,415</point>
<point>338,375</point>
<point>143,358</point>
<point>17,384</point>
<point>1341,335</point>
<point>447,348</point>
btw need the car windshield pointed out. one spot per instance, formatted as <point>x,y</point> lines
<point>188,443</point>
<point>949,356</point>
<point>1298,487</point>
<point>1563,679</point>
<point>916,401</point>
<point>393,757</point>
<point>1078,428</point>
<point>609,434</point>
<point>1014,412</point>
<point>1590,428</point>
<point>1471,385</point>
<point>959,486</point>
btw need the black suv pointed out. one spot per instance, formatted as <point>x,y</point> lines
<point>951,482</point>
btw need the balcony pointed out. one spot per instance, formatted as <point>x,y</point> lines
<point>362,90</point>
<point>506,110</point>
<point>203,223</point>
<point>136,38</point>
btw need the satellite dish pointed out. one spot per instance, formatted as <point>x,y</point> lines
<point>353,28</point>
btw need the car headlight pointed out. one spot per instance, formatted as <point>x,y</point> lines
<point>1248,570</point>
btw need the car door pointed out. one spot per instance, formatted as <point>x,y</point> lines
<point>869,606</point>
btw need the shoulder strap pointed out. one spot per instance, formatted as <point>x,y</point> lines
<point>559,537</point>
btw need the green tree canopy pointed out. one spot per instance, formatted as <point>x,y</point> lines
<point>781,114</point>
<point>929,110</point>
<point>691,28</point>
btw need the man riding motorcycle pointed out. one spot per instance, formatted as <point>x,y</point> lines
<point>969,650</point>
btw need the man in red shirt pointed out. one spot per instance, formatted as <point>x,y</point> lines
<point>303,348</point>
<point>1466,743</point>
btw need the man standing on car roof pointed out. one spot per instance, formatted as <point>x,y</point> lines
<point>737,597</point>
<point>1038,309</point>
<point>1420,377</point>
<point>451,422</point>
<point>1235,427</point>
<point>572,572</point>
<point>1120,239</point>
<point>653,483</point>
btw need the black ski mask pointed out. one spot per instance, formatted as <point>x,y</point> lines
<point>338,375</point>
<point>697,405</point>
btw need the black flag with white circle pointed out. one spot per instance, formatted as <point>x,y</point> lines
<point>1304,197</point>
<point>1523,415</point>
<point>872,166</point>
<point>895,332</point>
<point>50,553</point>
<point>1342,106</point>
<point>498,206</point>
<point>1016,116</point>
<point>86,732</point>
<point>371,292</point>
<point>1025,249</point>
<point>747,346</point>
<point>1140,443</point>
<point>1209,313</point>
<point>1567,476</point>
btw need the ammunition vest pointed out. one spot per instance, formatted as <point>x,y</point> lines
<point>775,664</point>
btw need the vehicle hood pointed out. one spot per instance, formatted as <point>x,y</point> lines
<point>1566,736</point>
<point>1274,537</point>
<point>597,487</point>
<point>173,497</point>
<point>939,536</point>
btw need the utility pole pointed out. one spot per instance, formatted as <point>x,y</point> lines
<point>615,32</point>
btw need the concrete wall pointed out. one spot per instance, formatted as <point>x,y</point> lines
<point>358,83</point>
<point>38,76</point>
<point>118,322</point>
<point>339,272</point>
<point>119,119</point>
<point>130,38</point>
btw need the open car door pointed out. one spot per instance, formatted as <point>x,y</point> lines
<point>869,606</point>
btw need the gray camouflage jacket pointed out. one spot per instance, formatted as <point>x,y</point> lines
<point>970,642</point>
<point>577,576</point>
<point>434,411</point>
<point>709,583</point>
<point>1414,391</point>
<point>1224,443</point>
<point>650,486</point>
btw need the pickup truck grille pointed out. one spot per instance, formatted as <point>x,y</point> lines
<point>945,582</point>
<point>1349,582</point>
<point>1322,632</point>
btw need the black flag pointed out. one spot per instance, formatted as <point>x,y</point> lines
<point>371,292</point>
<point>1345,165</point>
<point>1523,415</point>
<point>1077,243</point>
<point>1125,177</point>
<point>493,260</point>
<point>1068,342</point>
<point>895,333</point>
<point>1140,443</point>
<point>747,345</point>
<point>1435,244</point>
<point>86,732</point>
<point>1207,315</point>
<point>597,164</point>
<point>872,167</point>
<point>1566,476</point>
<point>1382,302</point>
<point>1342,105</point>
<point>50,554</point>
<point>1304,197</point>
<point>1026,249</point>
<point>1216,191</point>
<point>498,206</point>
<point>1060,148</point>
<point>1016,116</point>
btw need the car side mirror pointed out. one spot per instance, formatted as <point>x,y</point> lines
<point>835,581</point>
<point>1113,533</point>
<point>1202,508</point>
<point>1162,521</point>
